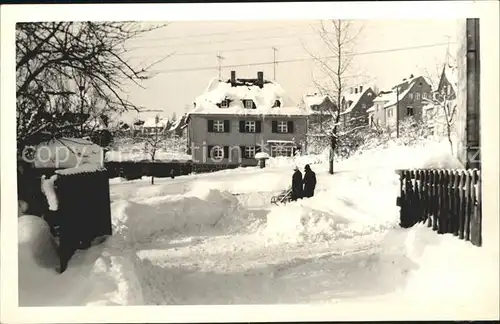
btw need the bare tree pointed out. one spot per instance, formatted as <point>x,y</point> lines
<point>153,142</point>
<point>59,63</point>
<point>339,37</point>
<point>444,106</point>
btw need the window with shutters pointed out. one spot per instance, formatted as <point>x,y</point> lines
<point>411,96</point>
<point>217,152</point>
<point>424,95</point>
<point>250,126</point>
<point>224,103</point>
<point>248,104</point>
<point>409,111</point>
<point>417,95</point>
<point>282,126</point>
<point>219,126</point>
<point>249,152</point>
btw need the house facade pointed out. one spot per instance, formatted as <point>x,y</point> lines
<point>404,100</point>
<point>355,106</point>
<point>235,119</point>
<point>321,109</point>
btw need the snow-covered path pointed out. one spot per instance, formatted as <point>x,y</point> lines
<point>216,239</point>
<point>309,251</point>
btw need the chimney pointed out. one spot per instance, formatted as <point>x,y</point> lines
<point>260,79</point>
<point>360,89</point>
<point>233,78</point>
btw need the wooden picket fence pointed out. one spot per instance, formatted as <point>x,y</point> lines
<point>448,200</point>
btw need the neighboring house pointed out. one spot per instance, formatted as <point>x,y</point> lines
<point>409,96</point>
<point>321,109</point>
<point>235,119</point>
<point>434,113</point>
<point>355,106</point>
<point>155,125</point>
<point>179,127</point>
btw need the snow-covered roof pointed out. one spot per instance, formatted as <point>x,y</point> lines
<point>264,99</point>
<point>372,109</point>
<point>67,153</point>
<point>353,98</point>
<point>391,98</point>
<point>86,168</point>
<point>315,99</point>
<point>262,155</point>
<point>452,77</point>
<point>151,122</point>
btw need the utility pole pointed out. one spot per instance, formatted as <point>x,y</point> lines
<point>397,112</point>
<point>219,60</point>
<point>274,62</point>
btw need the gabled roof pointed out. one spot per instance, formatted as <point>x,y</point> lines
<point>390,98</point>
<point>151,122</point>
<point>263,97</point>
<point>354,99</point>
<point>450,73</point>
<point>313,102</point>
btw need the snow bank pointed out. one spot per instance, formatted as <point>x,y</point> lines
<point>299,160</point>
<point>101,275</point>
<point>395,156</point>
<point>445,263</point>
<point>202,210</point>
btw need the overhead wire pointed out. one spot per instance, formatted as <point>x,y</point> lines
<point>297,59</point>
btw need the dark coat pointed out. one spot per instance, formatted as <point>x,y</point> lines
<point>297,185</point>
<point>309,183</point>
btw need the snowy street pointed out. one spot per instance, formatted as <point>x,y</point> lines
<point>215,239</point>
<point>308,260</point>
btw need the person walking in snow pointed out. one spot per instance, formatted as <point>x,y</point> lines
<point>309,181</point>
<point>296,184</point>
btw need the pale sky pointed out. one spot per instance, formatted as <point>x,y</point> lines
<point>184,75</point>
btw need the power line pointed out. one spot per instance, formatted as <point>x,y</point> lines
<point>299,59</point>
<point>221,42</point>
<point>220,33</point>
<point>241,49</point>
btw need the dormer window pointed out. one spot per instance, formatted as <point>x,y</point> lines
<point>248,104</point>
<point>224,103</point>
<point>277,104</point>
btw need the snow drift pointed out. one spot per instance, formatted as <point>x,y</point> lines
<point>102,275</point>
<point>201,211</point>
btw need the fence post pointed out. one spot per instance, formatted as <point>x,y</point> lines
<point>461,205</point>
<point>475,231</point>
<point>416,198</point>
<point>427,197</point>
<point>435,201</point>
<point>467,220</point>
<point>456,201</point>
<point>450,196</point>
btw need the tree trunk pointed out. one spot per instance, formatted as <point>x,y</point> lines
<point>332,150</point>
